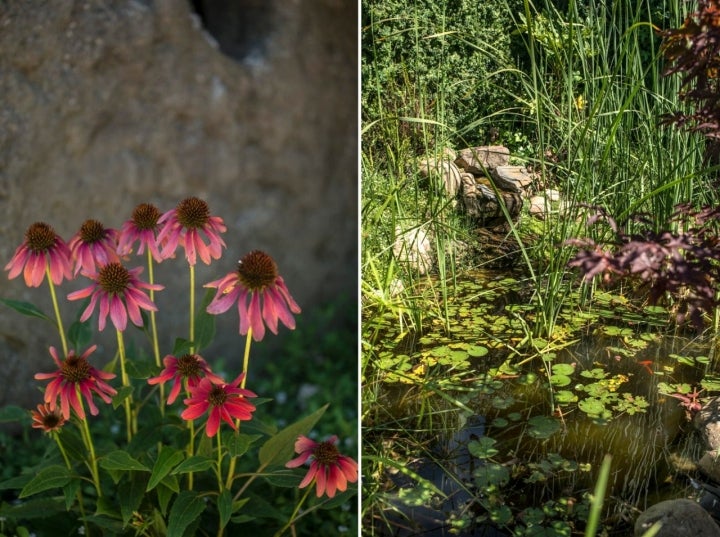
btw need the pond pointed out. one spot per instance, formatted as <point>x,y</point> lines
<point>474,432</point>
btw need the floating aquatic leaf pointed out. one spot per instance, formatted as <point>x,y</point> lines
<point>490,476</point>
<point>563,369</point>
<point>483,448</point>
<point>542,427</point>
<point>560,380</point>
<point>501,402</point>
<point>565,397</point>
<point>594,408</point>
<point>499,423</point>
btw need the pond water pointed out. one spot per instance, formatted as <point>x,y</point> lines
<point>487,442</point>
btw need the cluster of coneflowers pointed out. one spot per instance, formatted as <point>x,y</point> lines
<point>117,292</point>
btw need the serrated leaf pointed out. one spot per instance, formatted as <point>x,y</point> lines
<point>26,308</point>
<point>80,335</point>
<point>168,459</point>
<point>131,494</point>
<point>238,444</point>
<point>225,507</point>
<point>120,460</point>
<point>52,477</point>
<point>123,393</point>
<point>196,463</point>
<point>279,449</point>
<point>185,509</point>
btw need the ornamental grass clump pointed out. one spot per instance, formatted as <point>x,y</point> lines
<point>190,460</point>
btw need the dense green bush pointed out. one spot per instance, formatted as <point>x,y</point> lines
<point>418,56</point>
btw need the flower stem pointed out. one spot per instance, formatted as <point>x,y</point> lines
<point>219,462</point>
<point>246,362</point>
<point>190,450</point>
<point>294,514</point>
<point>153,329</point>
<point>192,309</point>
<point>60,328</point>
<point>87,439</point>
<point>125,382</point>
<point>56,436</point>
<point>246,356</point>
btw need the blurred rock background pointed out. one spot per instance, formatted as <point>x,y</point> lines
<point>250,105</point>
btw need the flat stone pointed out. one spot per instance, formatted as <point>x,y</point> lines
<point>480,160</point>
<point>512,178</point>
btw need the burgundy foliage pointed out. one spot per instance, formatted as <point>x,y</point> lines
<point>693,51</point>
<point>684,265</point>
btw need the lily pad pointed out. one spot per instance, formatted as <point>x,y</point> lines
<point>542,427</point>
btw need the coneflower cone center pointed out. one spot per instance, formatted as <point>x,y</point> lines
<point>146,216</point>
<point>326,453</point>
<point>40,237</point>
<point>189,366</point>
<point>92,231</point>
<point>257,270</point>
<point>51,421</point>
<point>75,369</point>
<point>193,213</point>
<point>217,396</point>
<point>114,278</point>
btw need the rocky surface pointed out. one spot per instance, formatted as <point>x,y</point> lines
<point>109,104</point>
<point>679,518</point>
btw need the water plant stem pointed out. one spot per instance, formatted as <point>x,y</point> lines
<point>129,422</point>
<point>53,295</point>
<point>294,514</point>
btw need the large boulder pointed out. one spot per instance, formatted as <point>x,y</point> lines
<point>678,518</point>
<point>109,104</point>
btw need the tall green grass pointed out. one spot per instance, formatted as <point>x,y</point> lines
<point>591,100</point>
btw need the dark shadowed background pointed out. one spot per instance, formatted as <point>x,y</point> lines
<point>250,105</point>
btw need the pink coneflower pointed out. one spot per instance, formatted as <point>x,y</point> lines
<point>119,292</point>
<point>141,228</point>
<point>75,375</point>
<point>93,246</point>
<point>256,277</point>
<point>186,224</point>
<point>47,419</point>
<point>224,401</point>
<point>41,245</point>
<point>329,468</point>
<point>190,367</point>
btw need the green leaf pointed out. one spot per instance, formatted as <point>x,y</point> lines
<point>542,427</point>
<point>123,393</point>
<point>52,477</point>
<point>182,346</point>
<point>483,448</point>
<point>196,463</point>
<point>185,509</point>
<point>238,444</point>
<point>279,448</point>
<point>131,494</point>
<point>12,413</point>
<point>204,323</point>
<point>168,459</point>
<point>26,308</point>
<point>225,507</point>
<point>80,335</point>
<point>120,460</point>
